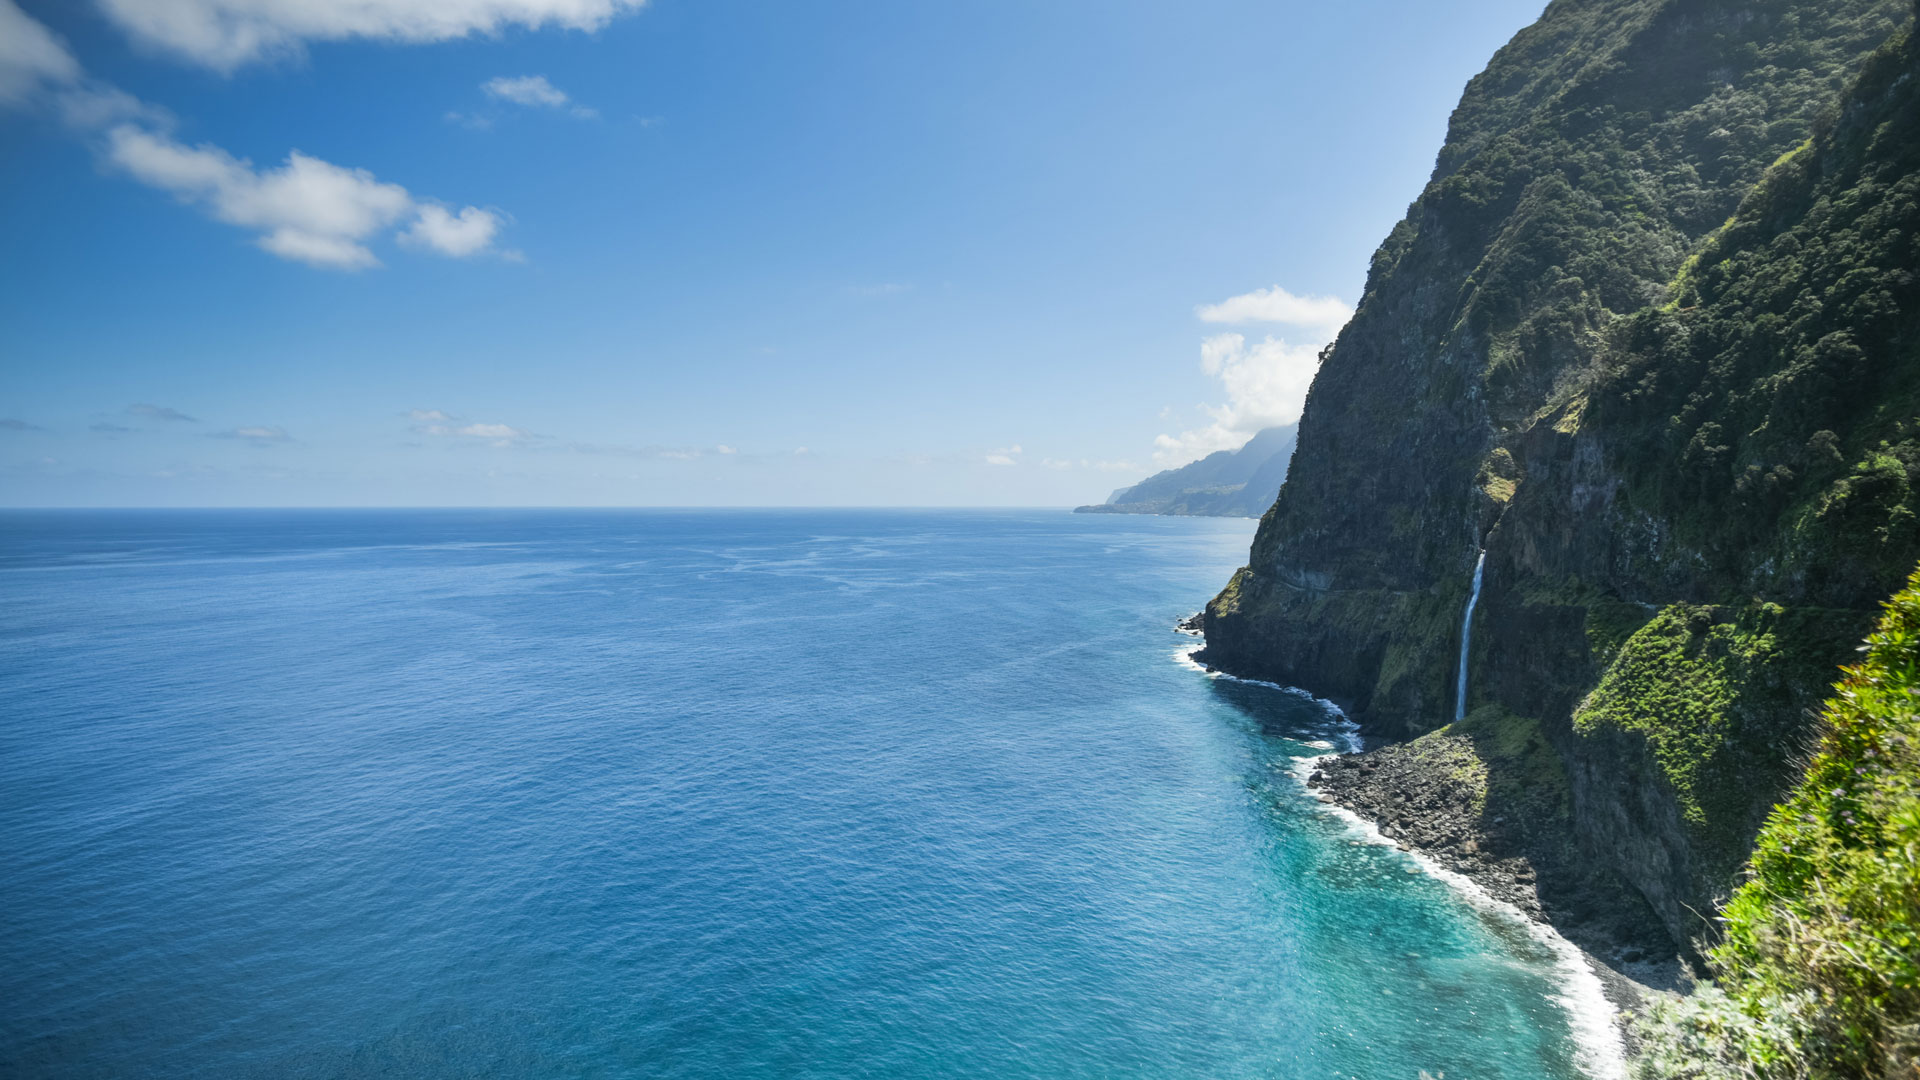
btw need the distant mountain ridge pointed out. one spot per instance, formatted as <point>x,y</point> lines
<point>1226,483</point>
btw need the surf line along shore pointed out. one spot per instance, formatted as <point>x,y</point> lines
<point>1600,1001</point>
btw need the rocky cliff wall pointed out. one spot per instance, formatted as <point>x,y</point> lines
<point>1646,340</point>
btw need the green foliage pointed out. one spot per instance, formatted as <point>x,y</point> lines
<point>1717,697</point>
<point>1710,1036</point>
<point>1610,624</point>
<point>1819,968</point>
<point>1580,169</point>
<point>1772,412</point>
<point>1522,770</point>
<point>1591,176</point>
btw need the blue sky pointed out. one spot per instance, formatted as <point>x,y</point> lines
<point>696,252</point>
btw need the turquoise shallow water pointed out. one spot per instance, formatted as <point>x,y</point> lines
<point>692,795</point>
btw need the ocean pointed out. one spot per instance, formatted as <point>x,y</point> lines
<point>696,794</point>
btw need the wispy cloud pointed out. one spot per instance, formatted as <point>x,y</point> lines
<point>226,34</point>
<point>525,90</point>
<point>108,429</point>
<point>1006,455</point>
<point>504,432</point>
<point>443,425</point>
<point>885,288</point>
<point>30,56</point>
<point>1321,316</point>
<point>159,412</point>
<point>10,424</point>
<point>306,209</point>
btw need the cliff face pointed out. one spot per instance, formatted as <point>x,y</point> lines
<point>1648,337</point>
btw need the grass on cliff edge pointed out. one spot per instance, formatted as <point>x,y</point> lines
<point>1819,970</point>
<point>1720,698</point>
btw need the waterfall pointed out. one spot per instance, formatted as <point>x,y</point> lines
<point>1466,635</point>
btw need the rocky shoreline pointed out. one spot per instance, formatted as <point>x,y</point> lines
<point>1486,799</point>
<point>1513,857</point>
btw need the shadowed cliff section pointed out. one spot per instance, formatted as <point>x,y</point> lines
<point>1647,337</point>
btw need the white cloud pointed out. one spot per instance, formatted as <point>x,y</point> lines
<point>30,55</point>
<point>1006,455</point>
<point>532,91</point>
<point>225,34</point>
<point>459,235</point>
<point>308,210</point>
<point>525,90</point>
<point>96,106</point>
<point>725,449</point>
<point>446,426</point>
<point>1322,315</point>
<point>1266,384</point>
<point>492,431</point>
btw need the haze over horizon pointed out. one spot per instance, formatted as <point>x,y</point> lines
<point>594,252</point>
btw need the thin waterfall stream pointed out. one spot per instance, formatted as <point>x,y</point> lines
<point>1466,637</point>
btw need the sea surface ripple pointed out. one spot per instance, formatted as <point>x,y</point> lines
<point>714,794</point>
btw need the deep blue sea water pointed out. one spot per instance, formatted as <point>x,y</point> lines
<point>693,795</point>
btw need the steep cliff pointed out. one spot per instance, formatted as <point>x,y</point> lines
<point>1647,338</point>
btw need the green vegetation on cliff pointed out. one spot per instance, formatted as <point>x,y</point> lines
<point>1581,169</point>
<point>1651,338</point>
<point>1771,413</point>
<point>1819,970</point>
<point>1764,436</point>
<point>1718,699</point>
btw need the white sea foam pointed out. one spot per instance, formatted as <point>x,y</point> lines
<point>1340,726</point>
<point>1596,1034</point>
<point>1591,1016</point>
